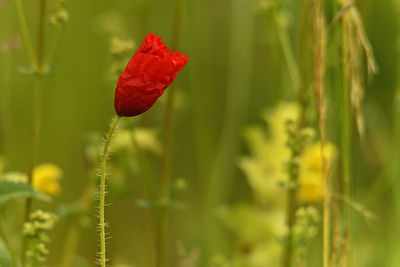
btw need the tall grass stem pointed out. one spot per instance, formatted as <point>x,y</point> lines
<point>25,32</point>
<point>37,104</point>
<point>162,211</point>
<point>319,71</point>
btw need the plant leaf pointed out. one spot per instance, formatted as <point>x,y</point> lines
<point>11,190</point>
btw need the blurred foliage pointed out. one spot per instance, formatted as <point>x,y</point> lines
<point>244,57</point>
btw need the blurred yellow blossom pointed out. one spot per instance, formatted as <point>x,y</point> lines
<point>121,46</point>
<point>146,139</point>
<point>181,184</point>
<point>311,175</point>
<point>46,178</point>
<point>311,187</point>
<point>311,158</point>
<point>257,231</point>
<point>111,23</point>
<point>260,226</point>
<point>123,141</point>
<point>15,177</point>
<point>264,167</point>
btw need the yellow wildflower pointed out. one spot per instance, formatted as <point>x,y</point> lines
<point>121,46</point>
<point>311,187</point>
<point>264,167</point>
<point>123,142</point>
<point>311,177</point>
<point>146,138</point>
<point>46,179</point>
<point>311,158</point>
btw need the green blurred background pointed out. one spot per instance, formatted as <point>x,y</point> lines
<point>236,69</point>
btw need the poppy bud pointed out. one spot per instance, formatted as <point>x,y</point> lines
<point>150,71</point>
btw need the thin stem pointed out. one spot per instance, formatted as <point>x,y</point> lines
<point>41,28</point>
<point>53,45</point>
<point>36,109</point>
<point>25,32</point>
<point>346,110</point>
<point>36,123</point>
<point>73,236</point>
<point>319,69</point>
<point>345,134</point>
<point>103,192</point>
<point>166,158</point>
<point>71,242</point>
<point>37,62</point>
<point>288,54</point>
<point>168,125</point>
<point>219,182</point>
<point>290,216</point>
<point>162,215</point>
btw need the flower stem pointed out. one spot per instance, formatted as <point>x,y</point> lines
<point>25,32</point>
<point>346,128</point>
<point>290,216</point>
<point>73,236</point>
<point>164,195</point>
<point>346,109</point>
<point>40,46</point>
<point>103,191</point>
<point>319,69</point>
<point>36,120</point>
<point>287,51</point>
<point>53,45</point>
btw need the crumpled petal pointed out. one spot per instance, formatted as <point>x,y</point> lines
<point>150,71</point>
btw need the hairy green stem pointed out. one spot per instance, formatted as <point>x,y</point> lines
<point>103,191</point>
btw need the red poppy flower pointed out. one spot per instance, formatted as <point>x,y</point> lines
<point>150,71</point>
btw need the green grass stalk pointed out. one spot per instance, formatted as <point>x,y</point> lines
<point>73,236</point>
<point>238,92</point>
<point>345,135</point>
<point>37,105</point>
<point>287,51</point>
<point>25,32</point>
<point>290,215</point>
<point>300,89</point>
<point>165,176</point>
<point>319,70</point>
<point>346,109</point>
